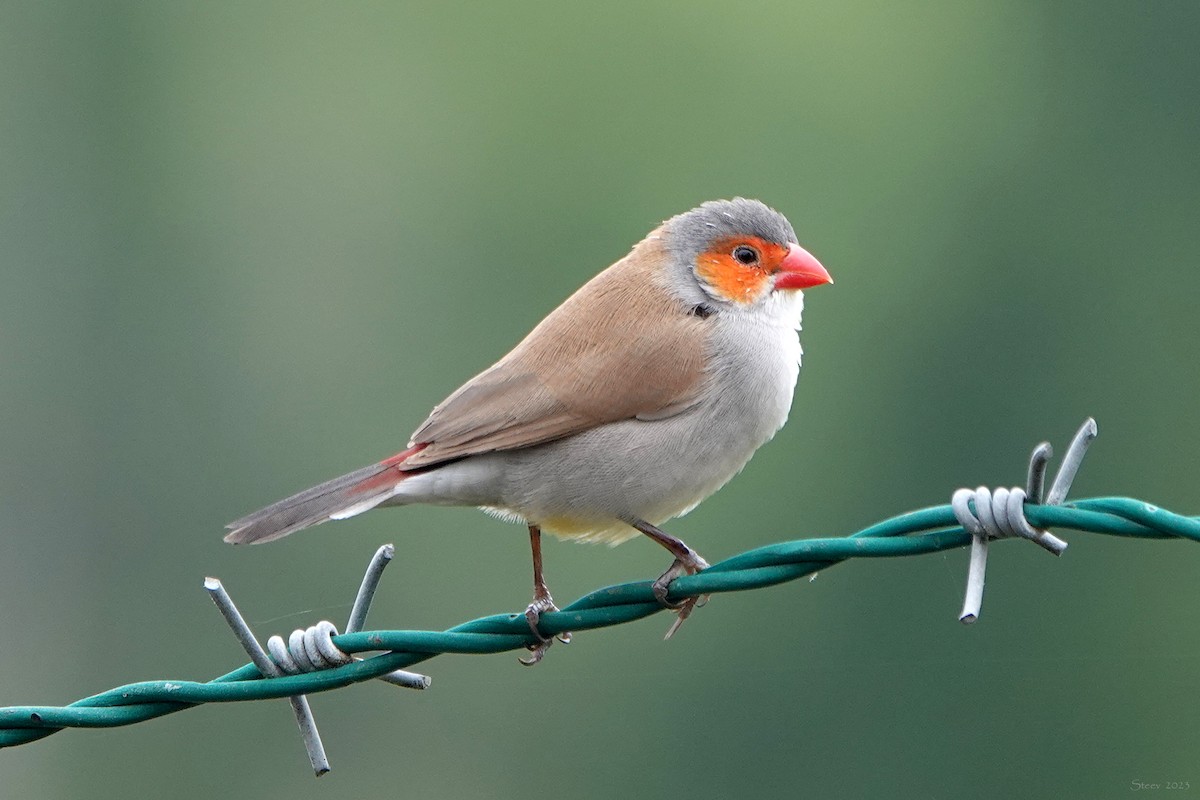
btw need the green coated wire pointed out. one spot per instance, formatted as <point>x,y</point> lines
<point>928,530</point>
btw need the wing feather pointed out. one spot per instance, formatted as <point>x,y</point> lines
<point>621,347</point>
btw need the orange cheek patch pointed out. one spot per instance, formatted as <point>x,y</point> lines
<point>731,280</point>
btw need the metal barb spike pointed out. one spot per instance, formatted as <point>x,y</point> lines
<point>300,707</point>
<point>1002,513</point>
<point>362,605</point>
<point>1071,461</point>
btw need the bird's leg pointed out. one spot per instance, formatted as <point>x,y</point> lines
<point>687,562</point>
<point>542,601</point>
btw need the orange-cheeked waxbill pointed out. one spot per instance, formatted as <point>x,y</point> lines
<point>634,400</point>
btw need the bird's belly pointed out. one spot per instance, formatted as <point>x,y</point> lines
<point>592,485</point>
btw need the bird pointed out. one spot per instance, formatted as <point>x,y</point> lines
<point>639,396</point>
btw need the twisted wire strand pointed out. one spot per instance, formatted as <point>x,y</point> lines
<point>926,530</point>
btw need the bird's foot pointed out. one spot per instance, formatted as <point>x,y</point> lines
<point>542,602</point>
<point>689,563</point>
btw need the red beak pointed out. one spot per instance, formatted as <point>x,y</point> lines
<point>800,270</point>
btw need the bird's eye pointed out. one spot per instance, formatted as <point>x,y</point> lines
<point>745,254</point>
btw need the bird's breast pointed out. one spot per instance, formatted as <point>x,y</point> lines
<point>754,364</point>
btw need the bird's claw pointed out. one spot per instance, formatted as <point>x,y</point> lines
<point>542,602</point>
<point>662,586</point>
<point>536,652</point>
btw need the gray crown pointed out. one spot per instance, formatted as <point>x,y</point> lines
<point>693,231</point>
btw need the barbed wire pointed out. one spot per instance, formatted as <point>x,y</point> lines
<point>319,659</point>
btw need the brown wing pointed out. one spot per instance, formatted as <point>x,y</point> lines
<point>622,346</point>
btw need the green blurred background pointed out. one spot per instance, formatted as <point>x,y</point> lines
<point>246,247</point>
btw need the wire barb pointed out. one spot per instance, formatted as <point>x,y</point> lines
<point>366,590</point>
<point>1035,483</point>
<point>268,668</point>
<point>990,515</point>
<point>311,650</point>
<point>358,616</point>
<point>1071,461</point>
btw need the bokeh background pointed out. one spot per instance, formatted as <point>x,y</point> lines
<point>246,247</point>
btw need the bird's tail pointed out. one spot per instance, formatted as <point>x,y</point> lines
<point>350,494</point>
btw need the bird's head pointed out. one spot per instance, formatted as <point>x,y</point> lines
<point>740,252</point>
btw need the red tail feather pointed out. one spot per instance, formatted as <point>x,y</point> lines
<point>352,492</point>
